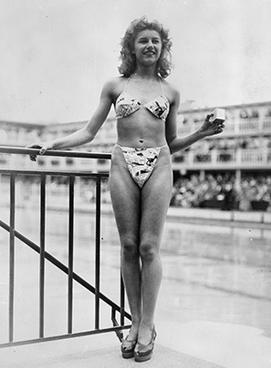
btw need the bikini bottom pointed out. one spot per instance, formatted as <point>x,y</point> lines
<point>140,162</point>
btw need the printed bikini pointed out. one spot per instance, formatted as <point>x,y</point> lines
<point>141,161</point>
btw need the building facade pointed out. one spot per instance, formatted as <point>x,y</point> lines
<point>244,145</point>
<point>242,150</point>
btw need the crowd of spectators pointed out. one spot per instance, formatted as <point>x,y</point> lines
<point>223,191</point>
<point>213,191</point>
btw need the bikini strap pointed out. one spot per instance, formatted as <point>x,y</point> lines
<point>161,87</point>
<point>126,84</point>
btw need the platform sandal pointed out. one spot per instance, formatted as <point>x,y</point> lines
<point>128,351</point>
<point>147,350</point>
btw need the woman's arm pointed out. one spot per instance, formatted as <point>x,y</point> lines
<point>88,132</point>
<point>176,143</point>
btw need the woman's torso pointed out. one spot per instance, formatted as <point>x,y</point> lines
<point>141,109</point>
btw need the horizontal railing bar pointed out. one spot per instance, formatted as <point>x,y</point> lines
<point>78,154</point>
<point>61,266</point>
<point>64,173</point>
<point>66,336</point>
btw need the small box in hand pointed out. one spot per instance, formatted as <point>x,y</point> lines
<point>218,116</point>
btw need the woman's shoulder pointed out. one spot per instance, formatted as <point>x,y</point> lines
<point>115,82</point>
<point>114,85</point>
<point>171,90</point>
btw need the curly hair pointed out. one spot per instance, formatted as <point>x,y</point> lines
<point>128,59</point>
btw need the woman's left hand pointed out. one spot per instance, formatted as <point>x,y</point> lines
<point>211,127</point>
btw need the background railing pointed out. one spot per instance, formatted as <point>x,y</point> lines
<point>233,126</point>
<point>45,256</point>
<point>218,157</point>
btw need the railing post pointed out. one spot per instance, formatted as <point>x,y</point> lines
<point>238,157</point>
<point>122,300</point>
<point>70,256</point>
<point>214,157</point>
<point>97,252</point>
<point>42,251</point>
<point>11,257</point>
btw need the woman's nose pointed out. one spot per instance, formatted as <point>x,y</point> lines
<point>150,44</point>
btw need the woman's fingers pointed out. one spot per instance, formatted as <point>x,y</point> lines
<point>33,156</point>
<point>42,150</point>
<point>208,116</point>
<point>219,128</point>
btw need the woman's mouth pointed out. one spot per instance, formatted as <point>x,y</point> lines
<point>149,53</point>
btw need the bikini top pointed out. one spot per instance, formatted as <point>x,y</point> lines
<point>127,105</point>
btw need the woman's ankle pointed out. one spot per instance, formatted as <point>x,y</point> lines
<point>146,324</point>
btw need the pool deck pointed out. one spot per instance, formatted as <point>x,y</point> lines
<point>193,215</point>
<point>213,310</point>
<point>206,346</point>
<point>95,351</point>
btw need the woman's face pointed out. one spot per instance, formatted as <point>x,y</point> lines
<point>148,47</point>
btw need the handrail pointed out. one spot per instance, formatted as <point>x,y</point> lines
<point>86,173</point>
<point>59,153</point>
<point>45,256</point>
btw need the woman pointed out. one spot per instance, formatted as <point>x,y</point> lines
<point>141,175</point>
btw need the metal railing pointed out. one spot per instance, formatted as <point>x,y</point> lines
<point>44,255</point>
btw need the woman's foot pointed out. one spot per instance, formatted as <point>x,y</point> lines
<point>128,344</point>
<point>145,345</point>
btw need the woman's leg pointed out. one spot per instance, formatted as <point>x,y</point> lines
<point>125,196</point>
<point>156,194</point>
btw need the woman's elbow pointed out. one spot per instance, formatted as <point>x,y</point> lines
<point>170,143</point>
<point>88,133</point>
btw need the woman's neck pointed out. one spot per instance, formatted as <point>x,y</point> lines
<point>146,72</point>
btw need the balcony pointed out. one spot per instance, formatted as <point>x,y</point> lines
<point>267,124</point>
<point>234,127</point>
<point>249,125</point>
<point>223,159</point>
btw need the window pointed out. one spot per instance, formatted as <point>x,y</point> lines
<point>254,114</point>
<point>69,161</point>
<point>243,114</point>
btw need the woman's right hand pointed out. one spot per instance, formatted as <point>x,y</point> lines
<point>43,147</point>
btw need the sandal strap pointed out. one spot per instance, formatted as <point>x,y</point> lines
<point>151,344</point>
<point>130,344</point>
<point>126,339</point>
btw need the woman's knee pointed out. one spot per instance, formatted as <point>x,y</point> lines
<point>129,248</point>
<point>149,249</point>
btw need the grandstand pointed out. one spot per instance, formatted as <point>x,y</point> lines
<point>231,170</point>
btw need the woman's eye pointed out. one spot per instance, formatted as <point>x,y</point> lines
<point>145,40</point>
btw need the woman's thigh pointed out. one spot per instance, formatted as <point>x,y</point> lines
<point>125,196</point>
<point>155,199</point>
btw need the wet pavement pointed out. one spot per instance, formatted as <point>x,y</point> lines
<point>214,304</point>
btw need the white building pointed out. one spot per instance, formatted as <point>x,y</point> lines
<point>245,144</point>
